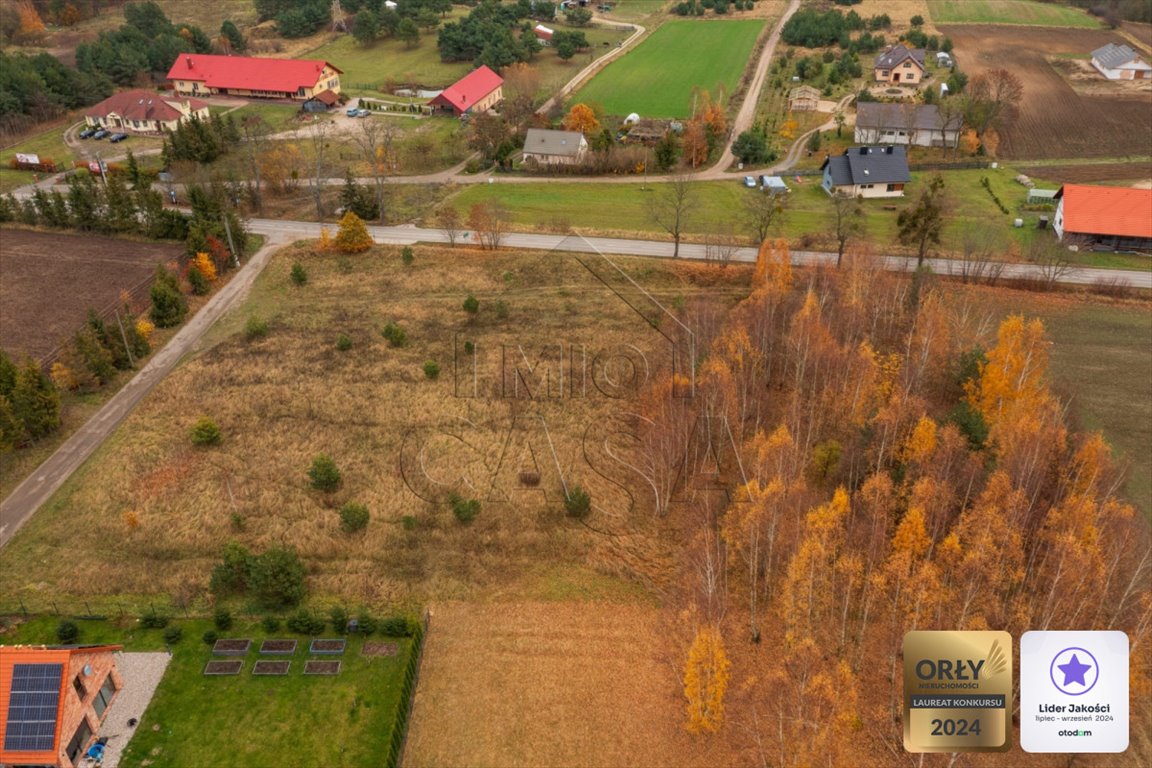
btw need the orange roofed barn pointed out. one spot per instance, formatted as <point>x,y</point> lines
<point>52,701</point>
<point>1119,218</point>
<point>477,92</point>
<point>196,74</point>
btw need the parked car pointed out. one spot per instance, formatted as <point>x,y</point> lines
<point>363,113</point>
<point>750,182</point>
<point>352,112</point>
<point>116,138</point>
<point>101,134</point>
<point>87,133</point>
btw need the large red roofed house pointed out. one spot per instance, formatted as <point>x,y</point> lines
<point>196,74</point>
<point>478,91</point>
<point>144,111</point>
<point>1113,217</point>
<point>52,701</point>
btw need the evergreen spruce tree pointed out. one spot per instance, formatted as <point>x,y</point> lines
<point>35,402</point>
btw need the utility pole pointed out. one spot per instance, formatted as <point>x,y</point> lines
<point>124,336</point>
<point>231,244</point>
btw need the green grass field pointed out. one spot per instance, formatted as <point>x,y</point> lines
<point>657,78</point>
<point>368,69</point>
<point>1009,12</point>
<point>247,720</point>
<point>47,144</point>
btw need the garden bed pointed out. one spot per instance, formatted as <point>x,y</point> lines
<point>380,649</point>
<point>322,667</point>
<point>223,668</point>
<point>333,646</point>
<point>271,667</point>
<point>278,647</point>
<point>231,647</point>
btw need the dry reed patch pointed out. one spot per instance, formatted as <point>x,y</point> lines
<point>555,684</point>
<point>283,399</point>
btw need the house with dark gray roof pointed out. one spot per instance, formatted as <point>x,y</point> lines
<point>1119,62</point>
<point>548,147</point>
<point>919,124</point>
<point>867,172</point>
<point>900,64</point>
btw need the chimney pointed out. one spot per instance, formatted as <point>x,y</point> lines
<point>189,60</point>
<point>891,150</point>
<point>863,150</point>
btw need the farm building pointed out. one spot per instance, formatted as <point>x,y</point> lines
<point>1118,218</point>
<point>478,91</point>
<point>548,147</point>
<point>321,102</point>
<point>901,65</point>
<point>1119,62</point>
<point>919,124</point>
<point>804,98</point>
<point>543,34</point>
<point>142,111</point>
<point>52,701</point>
<point>867,172</point>
<point>196,74</point>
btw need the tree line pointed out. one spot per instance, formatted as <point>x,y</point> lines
<point>148,42</point>
<point>34,89</point>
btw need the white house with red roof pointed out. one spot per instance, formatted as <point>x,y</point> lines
<point>142,111</point>
<point>477,92</point>
<point>1113,217</point>
<point>196,74</point>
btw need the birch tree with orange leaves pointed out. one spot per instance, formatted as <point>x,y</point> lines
<point>706,674</point>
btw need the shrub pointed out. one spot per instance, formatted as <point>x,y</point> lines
<point>353,517</point>
<point>394,626</point>
<point>222,619</point>
<point>577,503</point>
<point>270,624</point>
<point>278,577</point>
<point>409,522</point>
<point>344,343</point>
<point>210,637</point>
<point>501,309</point>
<point>395,335</point>
<point>465,510</point>
<point>238,524</point>
<point>469,348</point>
<point>339,618</point>
<point>255,328</point>
<point>324,474</point>
<point>173,634</point>
<point>407,256</point>
<point>299,275</point>
<point>971,422</point>
<point>153,620</point>
<point>199,283</point>
<point>305,623</point>
<point>67,632</point>
<point>234,572</point>
<point>431,369</point>
<point>168,304</point>
<point>825,460</point>
<point>471,304</point>
<point>205,432</point>
<point>368,624</point>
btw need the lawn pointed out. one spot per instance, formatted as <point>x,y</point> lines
<point>49,144</point>
<point>247,720</point>
<point>280,117</point>
<point>1023,12</point>
<point>657,78</point>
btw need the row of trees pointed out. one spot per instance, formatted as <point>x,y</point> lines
<point>889,465</point>
<point>296,18</point>
<point>199,140</point>
<point>37,88</point>
<point>29,403</point>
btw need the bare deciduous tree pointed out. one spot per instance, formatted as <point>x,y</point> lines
<point>670,207</point>
<point>375,141</point>
<point>489,220</point>
<point>318,134</point>
<point>847,222</point>
<point>762,212</point>
<point>448,220</point>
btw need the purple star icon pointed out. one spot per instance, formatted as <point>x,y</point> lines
<point>1074,671</point>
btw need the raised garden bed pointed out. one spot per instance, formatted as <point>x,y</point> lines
<point>223,667</point>
<point>271,667</point>
<point>380,649</point>
<point>231,647</point>
<point>322,667</point>
<point>278,647</point>
<point>334,646</point>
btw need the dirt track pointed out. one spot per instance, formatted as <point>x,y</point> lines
<point>51,280</point>
<point>1054,120</point>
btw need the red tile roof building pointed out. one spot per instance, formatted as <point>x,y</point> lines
<point>196,74</point>
<point>478,91</point>
<point>52,701</point>
<point>144,111</point>
<point>1117,217</point>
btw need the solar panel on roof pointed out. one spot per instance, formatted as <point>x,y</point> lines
<point>32,706</point>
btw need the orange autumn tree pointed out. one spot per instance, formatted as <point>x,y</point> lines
<point>706,680</point>
<point>695,143</point>
<point>202,262</point>
<point>581,118</point>
<point>773,266</point>
<point>31,25</point>
<point>352,236</point>
<point>1014,372</point>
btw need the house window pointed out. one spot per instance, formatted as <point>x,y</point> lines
<point>300,91</point>
<point>104,695</point>
<point>78,686</point>
<point>884,73</point>
<point>908,64</point>
<point>895,187</point>
<point>79,741</point>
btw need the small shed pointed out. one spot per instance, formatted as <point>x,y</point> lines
<point>321,102</point>
<point>943,59</point>
<point>804,98</point>
<point>773,184</point>
<point>1042,196</point>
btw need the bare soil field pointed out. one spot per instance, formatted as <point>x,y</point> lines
<point>1055,120</point>
<point>1083,174</point>
<point>554,684</point>
<point>1085,79</point>
<point>51,280</point>
<point>1141,33</point>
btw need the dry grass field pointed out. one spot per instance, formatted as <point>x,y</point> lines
<point>1052,121</point>
<point>402,441</point>
<point>553,684</point>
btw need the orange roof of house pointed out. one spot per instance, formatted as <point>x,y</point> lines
<point>10,656</point>
<point>1121,211</point>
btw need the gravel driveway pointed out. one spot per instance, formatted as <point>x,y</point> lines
<point>141,673</point>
